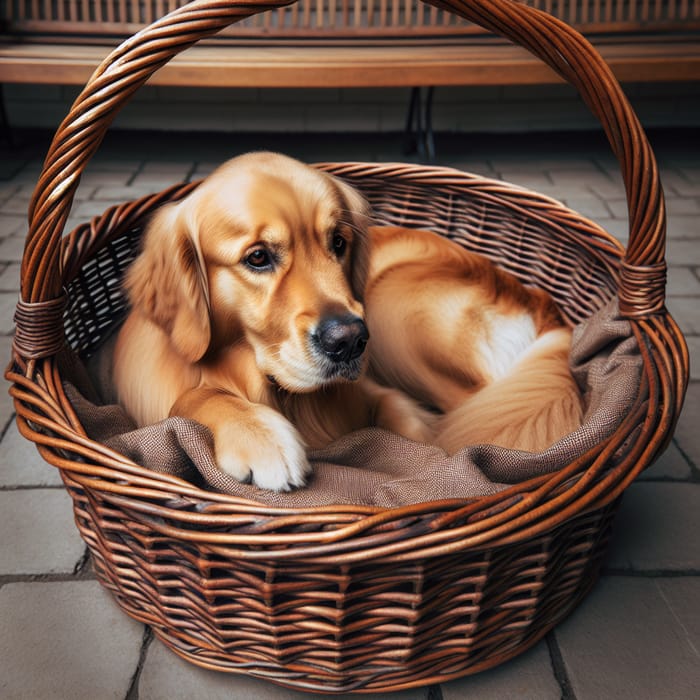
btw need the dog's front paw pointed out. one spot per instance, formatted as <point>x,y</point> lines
<point>262,447</point>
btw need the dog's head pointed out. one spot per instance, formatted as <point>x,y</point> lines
<point>269,251</point>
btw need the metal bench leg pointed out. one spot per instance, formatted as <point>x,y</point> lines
<point>418,134</point>
<point>4,121</point>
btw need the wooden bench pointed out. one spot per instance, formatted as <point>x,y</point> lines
<point>347,43</point>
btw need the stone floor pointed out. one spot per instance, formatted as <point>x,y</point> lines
<point>636,636</point>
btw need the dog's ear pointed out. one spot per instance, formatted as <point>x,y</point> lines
<point>358,209</point>
<point>168,283</point>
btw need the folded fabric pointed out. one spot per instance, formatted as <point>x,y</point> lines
<point>377,468</point>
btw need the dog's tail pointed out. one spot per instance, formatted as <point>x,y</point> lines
<point>532,407</point>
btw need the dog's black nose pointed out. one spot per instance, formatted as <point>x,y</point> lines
<point>342,338</point>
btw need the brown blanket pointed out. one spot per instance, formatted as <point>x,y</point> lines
<point>375,467</point>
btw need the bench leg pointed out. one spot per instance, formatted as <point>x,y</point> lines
<point>418,134</point>
<point>5,127</point>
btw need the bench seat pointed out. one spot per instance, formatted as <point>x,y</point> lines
<point>397,63</point>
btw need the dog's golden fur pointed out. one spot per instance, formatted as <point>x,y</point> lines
<point>251,302</point>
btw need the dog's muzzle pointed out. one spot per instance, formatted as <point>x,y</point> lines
<point>341,339</point>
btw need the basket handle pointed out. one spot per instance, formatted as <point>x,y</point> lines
<point>128,67</point>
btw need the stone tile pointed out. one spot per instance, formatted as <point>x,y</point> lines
<point>12,225</point>
<point>104,160</point>
<point>175,170</point>
<point>39,534</point>
<point>84,211</point>
<point>532,180</point>
<point>17,205</point>
<point>166,676</point>
<point>682,252</point>
<point>614,189</point>
<point>117,195</point>
<point>681,596</point>
<point>21,464</point>
<point>12,249</point>
<point>583,179</point>
<point>671,465</point>
<point>680,206</point>
<point>687,428</point>
<point>678,226</point>
<point>682,281</point>
<point>155,182</point>
<point>9,278</point>
<point>527,677</point>
<point>7,190</point>
<point>656,528</point>
<point>8,302</point>
<point>616,227</point>
<point>7,408</point>
<point>65,641</point>
<point>676,208</point>
<point>99,178</point>
<point>686,312</point>
<point>694,350</point>
<point>684,188</point>
<point>624,641</point>
<point>591,207</point>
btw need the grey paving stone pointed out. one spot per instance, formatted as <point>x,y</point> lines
<point>12,249</point>
<point>686,312</point>
<point>17,205</point>
<point>165,676</point>
<point>65,641</point>
<point>93,178</point>
<point>656,528</point>
<point>615,227</point>
<point>84,211</point>
<point>156,181</point>
<point>584,179</point>
<point>39,534</point>
<point>117,195</point>
<point>679,226</point>
<point>685,188</point>
<point>681,596</point>
<point>527,677</point>
<point>6,406</point>
<point>694,350</point>
<point>8,302</point>
<point>680,206</point>
<point>682,252</point>
<point>591,207</point>
<point>177,170</point>
<point>625,642</point>
<point>533,180</point>
<point>687,428</point>
<point>9,278</point>
<point>675,206</point>
<point>671,465</point>
<point>21,464</point>
<point>682,281</point>
<point>12,224</point>
<point>7,190</point>
<point>613,189</point>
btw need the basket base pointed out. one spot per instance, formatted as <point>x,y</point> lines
<point>524,592</point>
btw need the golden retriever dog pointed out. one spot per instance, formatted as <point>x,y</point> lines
<point>264,307</point>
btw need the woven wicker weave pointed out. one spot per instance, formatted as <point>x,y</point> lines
<point>350,598</point>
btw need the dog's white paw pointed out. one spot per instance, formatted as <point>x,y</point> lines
<point>264,448</point>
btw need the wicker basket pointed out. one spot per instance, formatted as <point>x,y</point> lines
<point>350,598</point>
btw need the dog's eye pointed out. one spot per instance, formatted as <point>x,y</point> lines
<point>339,245</point>
<point>259,259</point>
